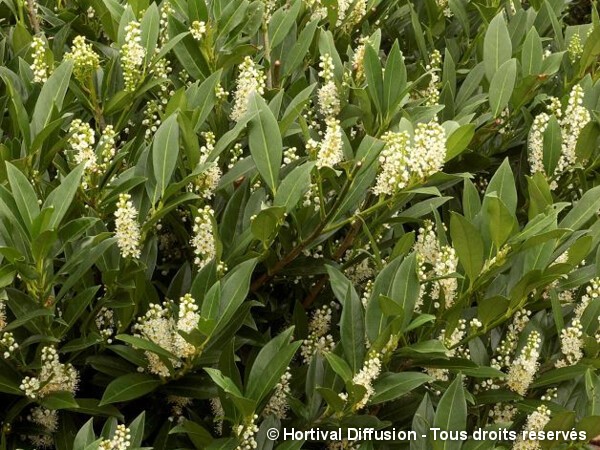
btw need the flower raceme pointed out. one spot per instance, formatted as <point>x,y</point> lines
<point>203,242</point>
<point>85,60</point>
<point>525,366</point>
<point>572,121</point>
<point>39,66</point>
<point>405,160</point>
<point>132,55</point>
<point>162,327</point>
<point>127,229</point>
<point>250,79</point>
<point>54,376</point>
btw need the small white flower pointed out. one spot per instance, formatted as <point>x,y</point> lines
<point>575,47</point>
<point>85,60</point>
<point>278,403</point>
<point>53,377</point>
<point>523,369</point>
<point>571,341</point>
<point>365,377</point>
<point>82,142</point>
<point>318,340</point>
<point>206,183</point>
<point>9,344</point>
<point>106,323</point>
<point>250,79</point>
<point>443,5</point>
<point>188,315</point>
<point>203,242</point>
<point>198,30</point>
<point>330,150</point>
<point>218,414</point>
<point>432,93</point>
<point>39,66</point>
<point>536,422</point>
<point>572,121</point>
<point>358,59</point>
<point>404,161</point>
<point>435,260</point>
<point>2,314</point>
<point>132,55</point>
<point>449,342</point>
<point>246,434</point>
<point>127,228</point>
<point>121,440</point>
<point>329,101</point>
<point>160,326</point>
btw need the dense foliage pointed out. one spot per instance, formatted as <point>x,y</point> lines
<point>222,217</point>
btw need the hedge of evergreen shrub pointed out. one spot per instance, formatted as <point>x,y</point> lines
<point>227,217</point>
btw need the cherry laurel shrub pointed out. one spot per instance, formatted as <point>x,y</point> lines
<point>224,217</point>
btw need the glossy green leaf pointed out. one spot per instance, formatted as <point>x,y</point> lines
<point>497,46</point>
<point>502,85</point>
<point>265,141</point>
<point>165,150</point>
<point>129,387</point>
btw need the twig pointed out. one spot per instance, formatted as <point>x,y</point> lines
<point>346,243</point>
<point>32,13</point>
<point>267,43</point>
<point>265,277</point>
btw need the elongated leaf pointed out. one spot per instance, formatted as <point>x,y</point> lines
<point>451,414</point>
<point>265,141</point>
<point>391,386</point>
<point>149,30</point>
<point>587,206</point>
<point>502,86</point>
<point>374,77</point>
<point>497,46</point>
<point>352,329</point>
<point>552,145</point>
<point>405,287</point>
<point>293,187</point>
<point>61,197</point>
<point>81,262</point>
<point>281,22</point>
<point>339,366</point>
<point>532,53</point>
<point>503,183</point>
<point>25,318</point>
<point>502,224</point>
<point>468,244</point>
<point>394,81</point>
<point>59,400</point>
<point>138,342</point>
<point>270,364</point>
<point>85,436</point>
<point>234,289</point>
<point>24,195</point>
<point>352,320</point>
<point>558,375</point>
<point>300,48</point>
<point>129,387</point>
<point>203,99</point>
<point>244,404</point>
<point>9,386</point>
<point>165,150</point>
<point>459,140</point>
<point>52,95</point>
<point>295,108</point>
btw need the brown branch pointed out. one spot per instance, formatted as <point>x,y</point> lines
<point>345,245</point>
<point>32,13</point>
<point>282,263</point>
